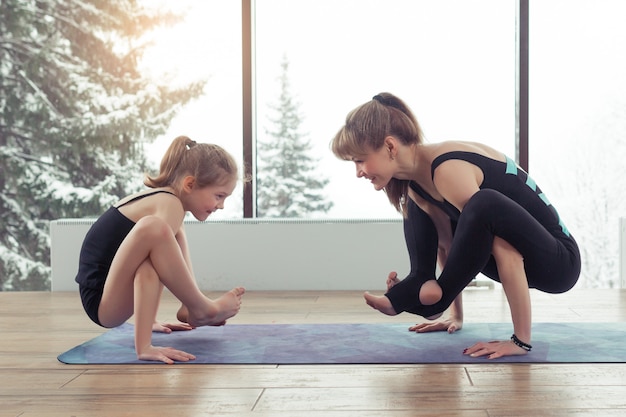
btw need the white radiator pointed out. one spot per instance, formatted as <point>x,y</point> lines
<point>267,254</point>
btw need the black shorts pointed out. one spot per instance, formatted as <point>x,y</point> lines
<point>91,302</point>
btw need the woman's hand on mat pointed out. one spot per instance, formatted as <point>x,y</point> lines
<point>450,325</point>
<point>494,349</point>
<point>166,327</point>
<point>164,354</point>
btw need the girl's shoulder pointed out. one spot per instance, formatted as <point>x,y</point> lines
<point>155,194</point>
<point>161,202</point>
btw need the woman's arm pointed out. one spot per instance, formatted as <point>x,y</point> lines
<point>458,181</point>
<point>455,320</point>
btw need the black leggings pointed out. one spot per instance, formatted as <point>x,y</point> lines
<point>551,260</point>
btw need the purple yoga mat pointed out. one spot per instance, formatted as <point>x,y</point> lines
<point>358,344</point>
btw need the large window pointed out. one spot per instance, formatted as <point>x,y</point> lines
<point>206,45</point>
<point>453,62</point>
<point>578,123</point>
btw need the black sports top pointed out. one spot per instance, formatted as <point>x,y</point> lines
<point>102,242</point>
<point>507,178</point>
<point>509,204</point>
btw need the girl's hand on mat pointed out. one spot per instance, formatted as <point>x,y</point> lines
<point>164,354</point>
<point>169,327</point>
<point>494,349</point>
<point>448,325</point>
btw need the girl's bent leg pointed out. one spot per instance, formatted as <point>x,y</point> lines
<point>152,239</point>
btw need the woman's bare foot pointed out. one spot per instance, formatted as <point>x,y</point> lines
<point>392,280</point>
<point>380,303</point>
<point>219,310</point>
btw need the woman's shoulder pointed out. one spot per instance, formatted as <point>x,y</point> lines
<point>442,148</point>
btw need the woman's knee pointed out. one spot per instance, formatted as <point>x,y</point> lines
<point>484,200</point>
<point>481,208</point>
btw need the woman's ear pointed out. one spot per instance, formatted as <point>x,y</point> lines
<point>391,145</point>
<point>188,183</point>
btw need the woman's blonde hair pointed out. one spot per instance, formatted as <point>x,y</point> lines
<point>365,131</point>
<point>208,164</point>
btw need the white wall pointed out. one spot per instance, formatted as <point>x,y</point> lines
<point>268,254</point>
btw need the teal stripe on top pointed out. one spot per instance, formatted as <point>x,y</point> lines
<point>531,183</point>
<point>511,166</point>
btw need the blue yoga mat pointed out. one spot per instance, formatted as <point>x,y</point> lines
<point>359,344</point>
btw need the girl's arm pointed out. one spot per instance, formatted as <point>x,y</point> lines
<point>181,238</point>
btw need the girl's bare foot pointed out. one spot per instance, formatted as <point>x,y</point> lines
<point>380,303</point>
<point>392,279</point>
<point>219,311</point>
<point>183,314</point>
<point>167,327</point>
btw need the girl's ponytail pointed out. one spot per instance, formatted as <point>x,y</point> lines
<point>209,164</point>
<point>169,163</point>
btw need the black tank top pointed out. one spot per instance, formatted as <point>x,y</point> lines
<point>102,242</point>
<point>139,197</point>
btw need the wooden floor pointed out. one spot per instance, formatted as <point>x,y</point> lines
<point>35,327</point>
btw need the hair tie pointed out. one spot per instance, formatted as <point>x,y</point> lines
<point>191,144</point>
<point>379,99</point>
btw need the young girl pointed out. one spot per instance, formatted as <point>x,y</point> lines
<point>467,207</point>
<point>139,246</point>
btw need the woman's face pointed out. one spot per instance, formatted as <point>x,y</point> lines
<point>376,167</point>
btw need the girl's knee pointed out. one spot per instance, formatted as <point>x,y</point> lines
<point>152,227</point>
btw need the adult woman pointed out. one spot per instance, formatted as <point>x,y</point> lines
<point>466,206</point>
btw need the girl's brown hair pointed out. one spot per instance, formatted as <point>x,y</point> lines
<point>365,131</point>
<point>208,164</point>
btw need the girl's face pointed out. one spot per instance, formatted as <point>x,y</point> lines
<point>375,166</point>
<point>202,202</point>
